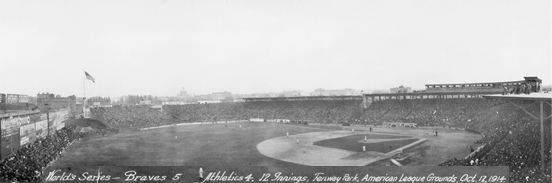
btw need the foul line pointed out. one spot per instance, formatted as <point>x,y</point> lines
<point>393,153</point>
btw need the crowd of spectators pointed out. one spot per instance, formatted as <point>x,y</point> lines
<point>522,88</point>
<point>206,112</point>
<point>510,139</point>
<point>319,111</point>
<point>508,133</point>
<point>451,113</point>
<point>131,117</point>
<point>98,132</point>
<point>28,163</point>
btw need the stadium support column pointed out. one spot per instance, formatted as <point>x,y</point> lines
<point>1,135</point>
<point>84,94</point>
<point>542,137</point>
<point>48,122</point>
<point>364,101</point>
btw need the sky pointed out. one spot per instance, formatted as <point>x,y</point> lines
<point>159,47</point>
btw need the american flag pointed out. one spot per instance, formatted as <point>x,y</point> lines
<point>89,77</point>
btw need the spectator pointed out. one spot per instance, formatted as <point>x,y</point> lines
<point>28,163</point>
<point>522,88</point>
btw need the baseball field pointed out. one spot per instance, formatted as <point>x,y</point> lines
<point>266,144</point>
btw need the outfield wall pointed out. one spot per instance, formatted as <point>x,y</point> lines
<point>20,130</point>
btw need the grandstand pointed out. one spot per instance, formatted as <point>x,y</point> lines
<point>496,87</point>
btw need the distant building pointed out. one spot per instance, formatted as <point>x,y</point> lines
<point>177,103</point>
<point>94,101</point>
<point>13,98</point>
<point>380,91</point>
<point>546,88</point>
<point>55,101</point>
<point>145,102</point>
<point>401,89</point>
<point>338,92</point>
<point>221,95</point>
<point>239,100</point>
<point>366,91</point>
<point>16,102</point>
<point>183,94</point>
<point>293,93</point>
<point>52,102</point>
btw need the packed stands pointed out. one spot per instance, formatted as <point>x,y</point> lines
<point>509,136</point>
<point>322,111</point>
<point>29,162</point>
<point>130,117</point>
<point>511,140</point>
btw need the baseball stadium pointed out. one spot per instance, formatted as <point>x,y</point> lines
<point>468,124</point>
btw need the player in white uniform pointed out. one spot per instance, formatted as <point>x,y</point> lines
<point>200,174</point>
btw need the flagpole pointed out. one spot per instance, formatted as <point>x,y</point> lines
<point>83,93</point>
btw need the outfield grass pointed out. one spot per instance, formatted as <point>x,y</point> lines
<point>352,143</point>
<point>195,145</point>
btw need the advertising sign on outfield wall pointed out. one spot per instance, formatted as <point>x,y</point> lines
<point>42,125</point>
<point>24,130</point>
<point>24,140</point>
<point>10,127</point>
<point>256,119</point>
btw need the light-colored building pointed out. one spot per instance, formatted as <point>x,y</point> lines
<point>401,89</point>
<point>337,92</point>
<point>183,94</point>
<point>145,102</point>
<point>293,93</point>
<point>13,98</point>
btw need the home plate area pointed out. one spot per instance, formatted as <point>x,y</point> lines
<point>336,148</point>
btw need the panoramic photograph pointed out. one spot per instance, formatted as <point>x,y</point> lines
<point>297,91</point>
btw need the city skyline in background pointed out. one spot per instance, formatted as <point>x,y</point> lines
<point>245,47</point>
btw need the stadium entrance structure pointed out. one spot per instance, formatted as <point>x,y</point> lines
<point>524,101</point>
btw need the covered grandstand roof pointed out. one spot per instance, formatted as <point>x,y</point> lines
<point>350,97</point>
<point>532,96</point>
<point>529,78</point>
<point>479,83</point>
<point>434,93</point>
